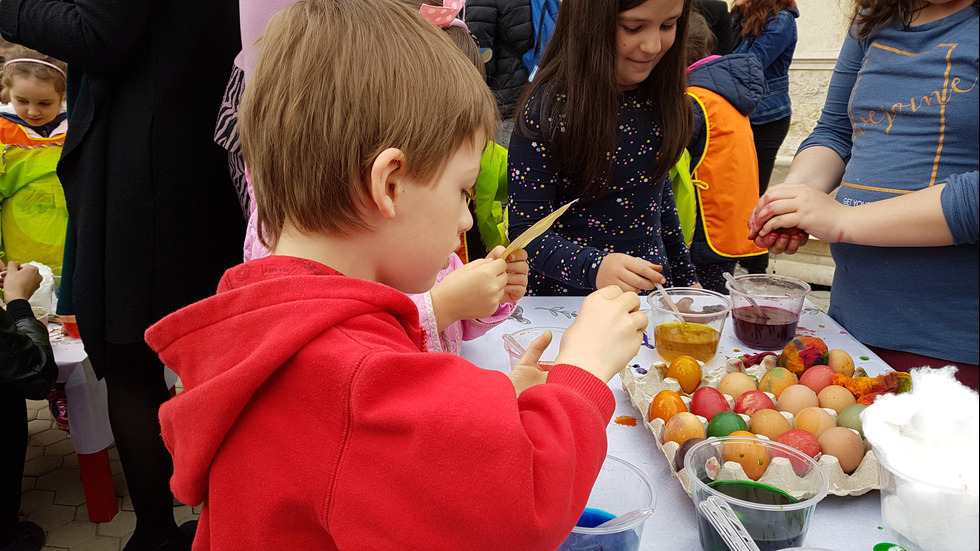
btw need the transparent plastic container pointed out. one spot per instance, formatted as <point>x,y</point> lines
<point>704,314</point>
<point>780,300</point>
<point>620,488</point>
<point>775,510</point>
<point>922,516</point>
<point>41,313</point>
<point>517,342</point>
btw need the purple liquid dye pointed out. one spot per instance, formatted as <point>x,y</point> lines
<point>770,332</point>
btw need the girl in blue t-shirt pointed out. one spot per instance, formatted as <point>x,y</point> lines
<point>897,140</point>
<point>603,121</point>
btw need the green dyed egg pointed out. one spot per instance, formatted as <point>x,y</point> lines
<point>725,423</point>
<point>850,417</point>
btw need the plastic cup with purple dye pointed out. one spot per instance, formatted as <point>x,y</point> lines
<point>780,300</point>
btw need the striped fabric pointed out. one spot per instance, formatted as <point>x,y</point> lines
<point>226,135</point>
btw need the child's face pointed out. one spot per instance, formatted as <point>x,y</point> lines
<point>433,217</point>
<point>643,36</point>
<point>35,101</point>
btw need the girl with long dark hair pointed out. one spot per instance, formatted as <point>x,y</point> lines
<point>603,121</point>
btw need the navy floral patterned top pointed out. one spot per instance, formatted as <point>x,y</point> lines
<point>633,214</point>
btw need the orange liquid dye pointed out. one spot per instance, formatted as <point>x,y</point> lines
<point>626,420</point>
<point>694,339</point>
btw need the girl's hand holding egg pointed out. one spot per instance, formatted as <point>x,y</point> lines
<point>629,273</point>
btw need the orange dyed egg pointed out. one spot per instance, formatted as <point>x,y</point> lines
<point>665,405</point>
<point>814,420</point>
<point>776,380</point>
<point>687,371</point>
<point>752,456</point>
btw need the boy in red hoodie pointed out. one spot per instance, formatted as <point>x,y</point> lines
<point>363,139</point>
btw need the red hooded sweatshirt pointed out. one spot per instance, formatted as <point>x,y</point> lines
<point>311,419</point>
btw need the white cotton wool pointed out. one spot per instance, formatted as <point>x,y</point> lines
<point>927,442</point>
<point>931,433</point>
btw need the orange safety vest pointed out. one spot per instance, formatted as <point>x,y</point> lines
<point>726,176</point>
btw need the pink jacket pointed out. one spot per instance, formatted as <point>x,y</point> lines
<point>451,339</point>
<point>254,15</point>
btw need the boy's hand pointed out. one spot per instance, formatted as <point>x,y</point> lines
<point>20,282</point>
<point>629,273</point>
<point>527,372</point>
<point>472,291</point>
<point>606,333</point>
<point>517,270</point>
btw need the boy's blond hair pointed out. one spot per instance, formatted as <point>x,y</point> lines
<point>337,82</point>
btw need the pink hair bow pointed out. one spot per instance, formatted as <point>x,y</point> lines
<point>446,14</point>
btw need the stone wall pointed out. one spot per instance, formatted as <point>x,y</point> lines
<point>821,28</point>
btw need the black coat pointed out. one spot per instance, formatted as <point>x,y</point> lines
<point>27,368</point>
<point>505,27</point>
<point>715,12</point>
<point>148,190</point>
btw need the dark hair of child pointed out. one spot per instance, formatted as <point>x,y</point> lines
<point>701,40</point>
<point>871,14</point>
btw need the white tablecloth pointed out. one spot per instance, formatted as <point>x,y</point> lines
<point>87,413</point>
<point>839,523</point>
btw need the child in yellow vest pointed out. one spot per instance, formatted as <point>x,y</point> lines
<point>723,167</point>
<point>33,212</point>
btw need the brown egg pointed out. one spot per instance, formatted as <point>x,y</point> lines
<point>795,398</point>
<point>836,398</point>
<point>682,427</point>
<point>814,420</point>
<point>769,423</point>
<point>844,444</point>
<point>736,383</point>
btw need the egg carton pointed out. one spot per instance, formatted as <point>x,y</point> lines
<point>642,389</point>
